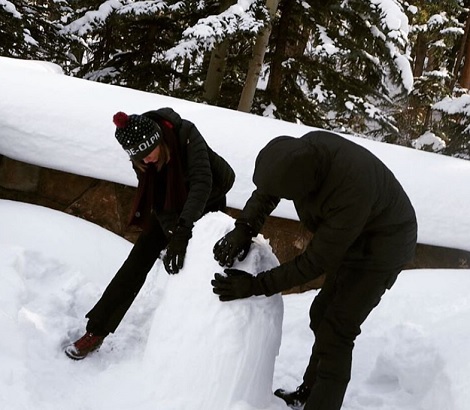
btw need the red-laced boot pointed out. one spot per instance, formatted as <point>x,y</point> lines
<point>83,346</point>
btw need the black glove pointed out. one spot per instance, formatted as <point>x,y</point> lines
<point>176,249</point>
<point>238,284</point>
<point>235,244</point>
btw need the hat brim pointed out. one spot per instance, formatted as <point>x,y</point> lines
<point>144,148</point>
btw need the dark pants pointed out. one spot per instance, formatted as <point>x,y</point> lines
<point>336,316</point>
<point>106,315</point>
<point>108,312</point>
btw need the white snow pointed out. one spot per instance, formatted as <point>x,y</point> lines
<point>66,123</point>
<point>179,347</point>
<point>10,8</point>
<point>431,140</point>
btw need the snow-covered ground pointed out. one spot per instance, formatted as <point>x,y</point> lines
<point>180,348</point>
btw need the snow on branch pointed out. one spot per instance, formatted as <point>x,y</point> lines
<point>327,45</point>
<point>454,105</point>
<point>144,7</point>
<point>209,31</point>
<point>92,19</point>
<point>459,106</point>
<point>10,8</point>
<point>394,31</point>
<point>394,20</point>
<point>29,39</point>
<point>430,141</point>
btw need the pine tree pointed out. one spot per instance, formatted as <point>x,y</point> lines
<point>438,34</point>
<point>30,30</point>
<point>385,69</point>
<point>11,31</point>
<point>339,65</point>
<point>218,47</point>
<point>158,46</point>
<point>123,42</point>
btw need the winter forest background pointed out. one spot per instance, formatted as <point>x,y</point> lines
<point>391,70</point>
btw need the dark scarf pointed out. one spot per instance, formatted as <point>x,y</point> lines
<point>163,190</point>
<point>170,179</point>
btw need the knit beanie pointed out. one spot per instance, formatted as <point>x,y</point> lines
<point>137,134</point>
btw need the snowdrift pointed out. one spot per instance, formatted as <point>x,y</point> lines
<point>178,348</point>
<point>65,123</point>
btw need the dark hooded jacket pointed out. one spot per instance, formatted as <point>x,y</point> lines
<point>358,211</point>
<point>207,176</point>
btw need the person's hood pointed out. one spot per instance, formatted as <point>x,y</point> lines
<point>167,114</point>
<point>290,168</point>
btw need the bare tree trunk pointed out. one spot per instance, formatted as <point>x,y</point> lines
<point>276,69</point>
<point>465,74</point>
<point>463,51</point>
<point>185,73</point>
<point>215,72</point>
<point>420,55</point>
<point>256,63</point>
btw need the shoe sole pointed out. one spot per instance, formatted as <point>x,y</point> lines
<point>73,356</point>
<point>291,406</point>
<point>76,358</point>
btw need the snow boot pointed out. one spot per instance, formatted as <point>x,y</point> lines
<point>295,399</point>
<point>83,346</point>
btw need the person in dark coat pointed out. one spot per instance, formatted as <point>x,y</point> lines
<point>180,178</point>
<point>364,233</point>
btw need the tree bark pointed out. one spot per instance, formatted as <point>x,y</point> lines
<point>463,51</point>
<point>215,72</point>
<point>420,55</point>
<point>256,63</point>
<point>216,69</point>
<point>276,69</point>
<point>465,73</point>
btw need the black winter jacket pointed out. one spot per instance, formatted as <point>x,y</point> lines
<point>358,211</point>
<point>208,177</point>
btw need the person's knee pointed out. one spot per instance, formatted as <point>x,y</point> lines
<point>336,334</point>
<point>317,311</point>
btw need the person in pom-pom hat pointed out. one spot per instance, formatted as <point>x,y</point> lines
<point>180,178</point>
<point>364,233</point>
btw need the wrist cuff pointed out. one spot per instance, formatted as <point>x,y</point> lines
<point>257,287</point>
<point>184,224</point>
<point>246,227</point>
<point>183,231</point>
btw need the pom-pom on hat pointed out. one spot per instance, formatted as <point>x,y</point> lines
<point>137,134</point>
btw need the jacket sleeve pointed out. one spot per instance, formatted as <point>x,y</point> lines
<point>258,207</point>
<point>199,174</point>
<point>344,222</point>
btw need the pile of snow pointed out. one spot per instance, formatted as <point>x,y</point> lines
<point>66,124</point>
<point>218,355</point>
<point>178,344</point>
<point>178,348</point>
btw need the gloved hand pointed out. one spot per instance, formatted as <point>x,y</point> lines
<point>238,284</point>
<point>173,260</point>
<point>235,244</point>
